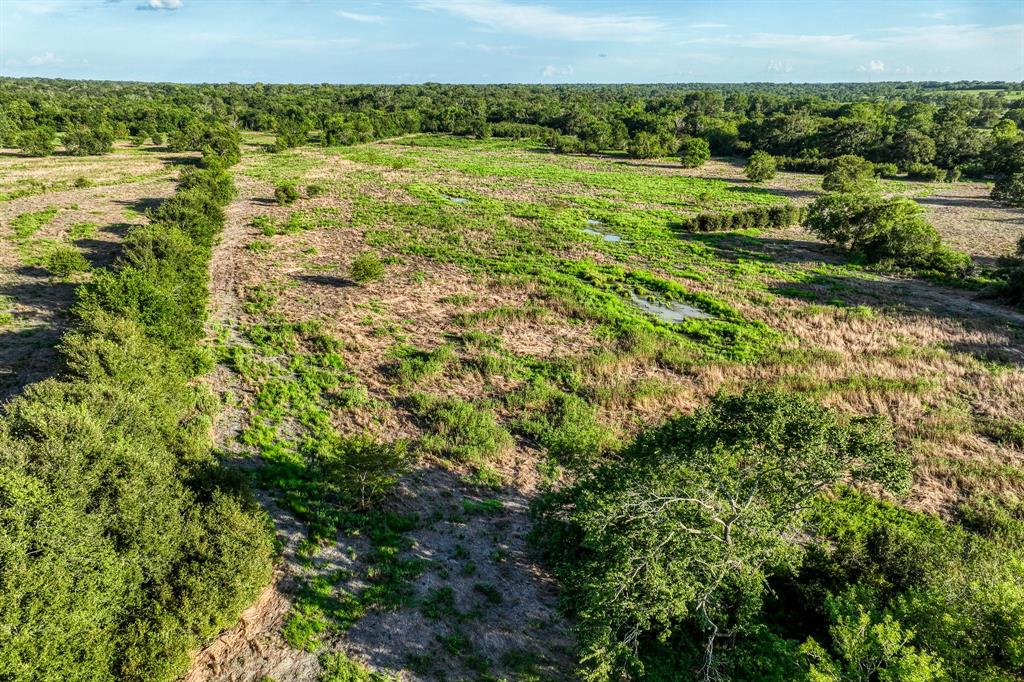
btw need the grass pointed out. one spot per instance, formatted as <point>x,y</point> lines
<point>505,333</point>
<point>27,224</point>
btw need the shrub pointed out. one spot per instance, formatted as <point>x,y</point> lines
<point>878,229</point>
<point>86,141</point>
<point>925,171</point>
<point>887,170</point>
<point>679,532</point>
<point>467,432</point>
<point>286,193</point>
<point>694,152</point>
<point>315,190</point>
<point>849,173</point>
<point>64,259</point>
<point>82,182</point>
<point>1009,189</point>
<point>40,141</point>
<point>567,144</point>
<point>760,167</point>
<point>366,267</point>
<point>645,145</point>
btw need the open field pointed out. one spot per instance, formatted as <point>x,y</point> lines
<point>43,209</point>
<point>506,342</point>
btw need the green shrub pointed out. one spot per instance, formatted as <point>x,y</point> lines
<point>315,190</point>
<point>64,259</point>
<point>680,531</point>
<point>40,141</point>
<point>760,167</point>
<point>1009,189</point>
<point>467,432</point>
<point>925,171</point>
<point>366,267</point>
<point>83,140</point>
<point>849,173</point>
<point>286,193</point>
<point>884,230</point>
<point>82,182</point>
<point>694,152</point>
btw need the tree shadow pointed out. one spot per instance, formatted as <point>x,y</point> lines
<point>326,280</point>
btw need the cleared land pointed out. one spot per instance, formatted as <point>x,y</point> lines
<point>506,339</point>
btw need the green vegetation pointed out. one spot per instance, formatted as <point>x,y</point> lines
<point>64,260</point>
<point>694,152</point>
<point>125,545</point>
<point>760,167</point>
<point>879,230</point>
<point>366,267</point>
<point>570,303</point>
<point>27,224</point>
<point>286,193</point>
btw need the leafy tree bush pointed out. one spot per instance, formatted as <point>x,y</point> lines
<point>1009,189</point>
<point>645,145</point>
<point>877,230</point>
<point>89,141</point>
<point>1011,271</point>
<point>760,167</point>
<point>40,141</point>
<point>366,267</point>
<point>694,152</point>
<point>680,530</point>
<point>286,193</point>
<point>64,260</point>
<point>568,144</point>
<point>926,172</point>
<point>849,174</point>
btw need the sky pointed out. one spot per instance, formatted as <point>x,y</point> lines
<point>501,41</point>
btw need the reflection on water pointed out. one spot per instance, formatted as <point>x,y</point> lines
<point>668,312</point>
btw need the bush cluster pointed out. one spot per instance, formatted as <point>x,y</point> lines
<point>880,230</point>
<point>781,215</point>
<point>123,544</point>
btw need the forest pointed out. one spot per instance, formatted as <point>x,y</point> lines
<point>512,382</point>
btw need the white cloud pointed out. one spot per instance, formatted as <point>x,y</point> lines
<point>487,48</point>
<point>779,66</point>
<point>788,41</point>
<point>362,18</point>
<point>555,72</point>
<point>542,21</point>
<point>874,66</point>
<point>310,43</point>
<point>707,24</point>
<point>947,37</point>
<point>160,4</point>
<point>44,59</point>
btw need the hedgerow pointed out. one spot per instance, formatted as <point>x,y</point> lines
<point>124,545</point>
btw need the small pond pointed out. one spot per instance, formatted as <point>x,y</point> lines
<point>669,312</point>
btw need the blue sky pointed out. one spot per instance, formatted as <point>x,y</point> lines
<point>496,41</point>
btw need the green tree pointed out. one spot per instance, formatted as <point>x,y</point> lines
<point>760,167</point>
<point>694,152</point>
<point>1009,189</point>
<point>85,141</point>
<point>39,141</point>
<point>645,145</point>
<point>877,229</point>
<point>682,525</point>
<point>849,174</point>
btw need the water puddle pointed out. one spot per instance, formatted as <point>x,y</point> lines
<point>456,200</point>
<point>607,236</point>
<point>669,312</point>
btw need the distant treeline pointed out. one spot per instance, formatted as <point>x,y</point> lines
<point>964,126</point>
